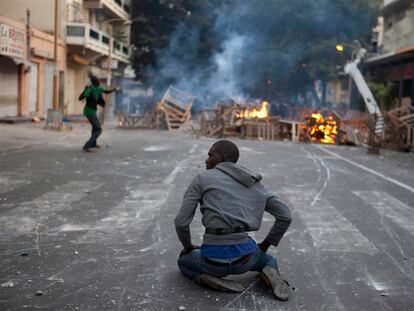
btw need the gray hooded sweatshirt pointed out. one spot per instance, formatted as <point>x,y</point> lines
<point>229,196</point>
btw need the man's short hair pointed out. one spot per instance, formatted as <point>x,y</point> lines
<point>228,149</point>
<point>94,79</point>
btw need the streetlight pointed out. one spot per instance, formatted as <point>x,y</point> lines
<point>340,48</point>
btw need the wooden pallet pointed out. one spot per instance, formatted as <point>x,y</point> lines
<point>220,121</point>
<point>135,121</point>
<point>292,130</point>
<point>263,129</point>
<point>174,109</point>
<point>401,125</point>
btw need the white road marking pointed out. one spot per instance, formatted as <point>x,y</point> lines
<point>28,215</point>
<point>328,174</point>
<point>133,215</point>
<point>329,229</point>
<point>156,148</point>
<point>392,180</point>
<point>136,213</point>
<point>171,176</point>
<point>390,207</point>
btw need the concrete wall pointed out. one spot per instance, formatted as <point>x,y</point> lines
<point>45,44</point>
<point>42,13</point>
<point>34,82</point>
<point>76,79</point>
<point>398,29</point>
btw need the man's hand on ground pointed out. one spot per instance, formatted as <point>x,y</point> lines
<point>264,246</point>
<point>188,250</point>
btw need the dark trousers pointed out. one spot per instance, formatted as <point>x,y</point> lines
<point>192,265</point>
<point>96,131</point>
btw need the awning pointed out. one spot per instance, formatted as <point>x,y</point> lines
<point>80,60</point>
<point>396,55</point>
<point>391,5</point>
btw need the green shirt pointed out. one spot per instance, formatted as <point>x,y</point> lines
<point>92,91</point>
<point>88,111</point>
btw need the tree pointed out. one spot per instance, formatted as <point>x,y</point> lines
<point>290,43</point>
<point>384,94</point>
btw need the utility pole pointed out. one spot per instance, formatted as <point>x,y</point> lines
<point>109,64</point>
<point>54,115</point>
<point>111,41</point>
<point>109,68</point>
<point>55,58</point>
<point>28,34</point>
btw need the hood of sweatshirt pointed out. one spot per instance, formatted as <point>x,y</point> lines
<point>239,173</point>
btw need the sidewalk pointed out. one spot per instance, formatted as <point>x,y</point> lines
<point>22,136</point>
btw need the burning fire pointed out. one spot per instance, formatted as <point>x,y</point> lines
<point>322,129</point>
<point>255,112</point>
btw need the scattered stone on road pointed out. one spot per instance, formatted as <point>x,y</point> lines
<point>39,293</point>
<point>7,284</point>
<point>350,240</point>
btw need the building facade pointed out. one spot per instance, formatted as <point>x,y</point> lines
<point>394,62</point>
<point>27,69</point>
<point>94,39</point>
<point>97,41</point>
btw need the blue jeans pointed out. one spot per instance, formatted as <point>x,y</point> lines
<point>192,265</point>
<point>96,131</point>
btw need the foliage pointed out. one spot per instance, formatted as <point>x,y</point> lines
<point>294,40</point>
<point>384,94</point>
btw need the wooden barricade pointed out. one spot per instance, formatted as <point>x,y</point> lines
<point>174,109</point>
<point>263,129</point>
<point>400,128</point>
<point>220,121</point>
<point>292,130</point>
<point>136,121</point>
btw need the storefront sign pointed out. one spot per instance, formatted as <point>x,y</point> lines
<point>42,53</point>
<point>114,63</point>
<point>12,41</point>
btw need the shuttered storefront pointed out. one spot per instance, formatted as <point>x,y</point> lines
<point>33,89</point>
<point>48,90</point>
<point>8,87</point>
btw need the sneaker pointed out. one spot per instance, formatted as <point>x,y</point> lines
<point>279,286</point>
<point>220,284</point>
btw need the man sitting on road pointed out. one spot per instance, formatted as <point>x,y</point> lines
<point>232,201</point>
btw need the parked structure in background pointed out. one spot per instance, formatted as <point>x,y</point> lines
<point>94,37</point>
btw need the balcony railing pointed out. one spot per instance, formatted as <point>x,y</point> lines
<point>105,40</point>
<point>121,51</point>
<point>115,7</point>
<point>95,40</point>
<point>84,35</point>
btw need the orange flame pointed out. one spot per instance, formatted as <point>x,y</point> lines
<point>255,112</point>
<point>322,130</point>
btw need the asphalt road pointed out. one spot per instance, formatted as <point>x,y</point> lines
<point>95,231</point>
